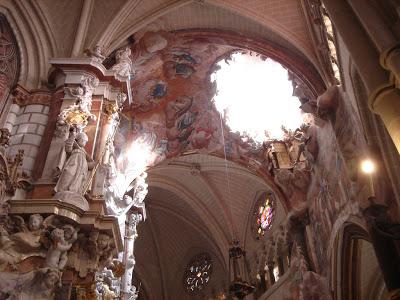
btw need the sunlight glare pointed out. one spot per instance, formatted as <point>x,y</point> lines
<point>255,96</point>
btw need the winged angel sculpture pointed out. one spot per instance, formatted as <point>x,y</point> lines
<point>46,238</point>
<point>118,202</point>
<point>127,187</point>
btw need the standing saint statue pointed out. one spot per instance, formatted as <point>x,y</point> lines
<point>75,172</point>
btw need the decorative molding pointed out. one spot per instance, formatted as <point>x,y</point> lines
<point>23,97</point>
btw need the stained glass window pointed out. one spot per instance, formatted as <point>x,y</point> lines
<point>198,272</point>
<point>264,213</point>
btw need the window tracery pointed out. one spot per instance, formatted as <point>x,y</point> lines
<point>9,58</point>
<point>198,272</point>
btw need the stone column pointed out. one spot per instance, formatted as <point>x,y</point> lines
<point>384,98</point>
<point>128,291</point>
<point>359,45</point>
<point>386,103</point>
<point>376,28</point>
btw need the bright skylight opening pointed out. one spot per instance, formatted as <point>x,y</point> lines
<point>255,97</point>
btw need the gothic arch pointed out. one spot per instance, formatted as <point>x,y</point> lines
<point>120,28</point>
<point>9,60</point>
<point>344,272</point>
<point>351,248</point>
<point>35,47</point>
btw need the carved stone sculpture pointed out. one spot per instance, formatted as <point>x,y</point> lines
<point>107,284</point>
<point>10,177</point>
<point>96,54</point>
<point>61,242</point>
<point>93,252</point>
<point>78,115</point>
<point>294,184</point>
<point>35,285</point>
<point>74,175</point>
<point>123,67</point>
<point>305,284</point>
<point>329,100</point>
<point>4,137</point>
<point>117,207</point>
<point>133,293</point>
<point>18,241</point>
<point>84,93</point>
<point>281,250</point>
<point>133,220</point>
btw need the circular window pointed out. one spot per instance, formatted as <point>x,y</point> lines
<point>198,272</point>
<point>263,213</point>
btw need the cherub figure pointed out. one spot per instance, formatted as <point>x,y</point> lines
<point>84,101</point>
<point>105,249</point>
<point>70,236</point>
<point>38,284</point>
<point>61,242</point>
<point>29,236</point>
<point>26,242</point>
<point>96,53</point>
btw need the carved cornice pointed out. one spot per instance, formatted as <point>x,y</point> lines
<point>92,219</point>
<point>23,97</point>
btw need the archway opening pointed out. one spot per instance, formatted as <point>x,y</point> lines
<point>254,96</point>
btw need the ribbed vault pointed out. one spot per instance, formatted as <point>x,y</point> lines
<point>191,209</point>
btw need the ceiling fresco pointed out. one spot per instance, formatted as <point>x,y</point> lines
<point>173,112</point>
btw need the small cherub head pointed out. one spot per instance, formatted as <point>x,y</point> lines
<point>57,234</point>
<point>69,231</point>
<point>81,138</point>
<point>103,241</point>
<point>35,222</point>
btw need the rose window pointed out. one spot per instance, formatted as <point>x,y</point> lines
<point>264,213</point>
<point>198,272</point>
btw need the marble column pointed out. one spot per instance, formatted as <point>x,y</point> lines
<point>129,292</point>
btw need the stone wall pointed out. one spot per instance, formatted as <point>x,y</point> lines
<point>27,125</point>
